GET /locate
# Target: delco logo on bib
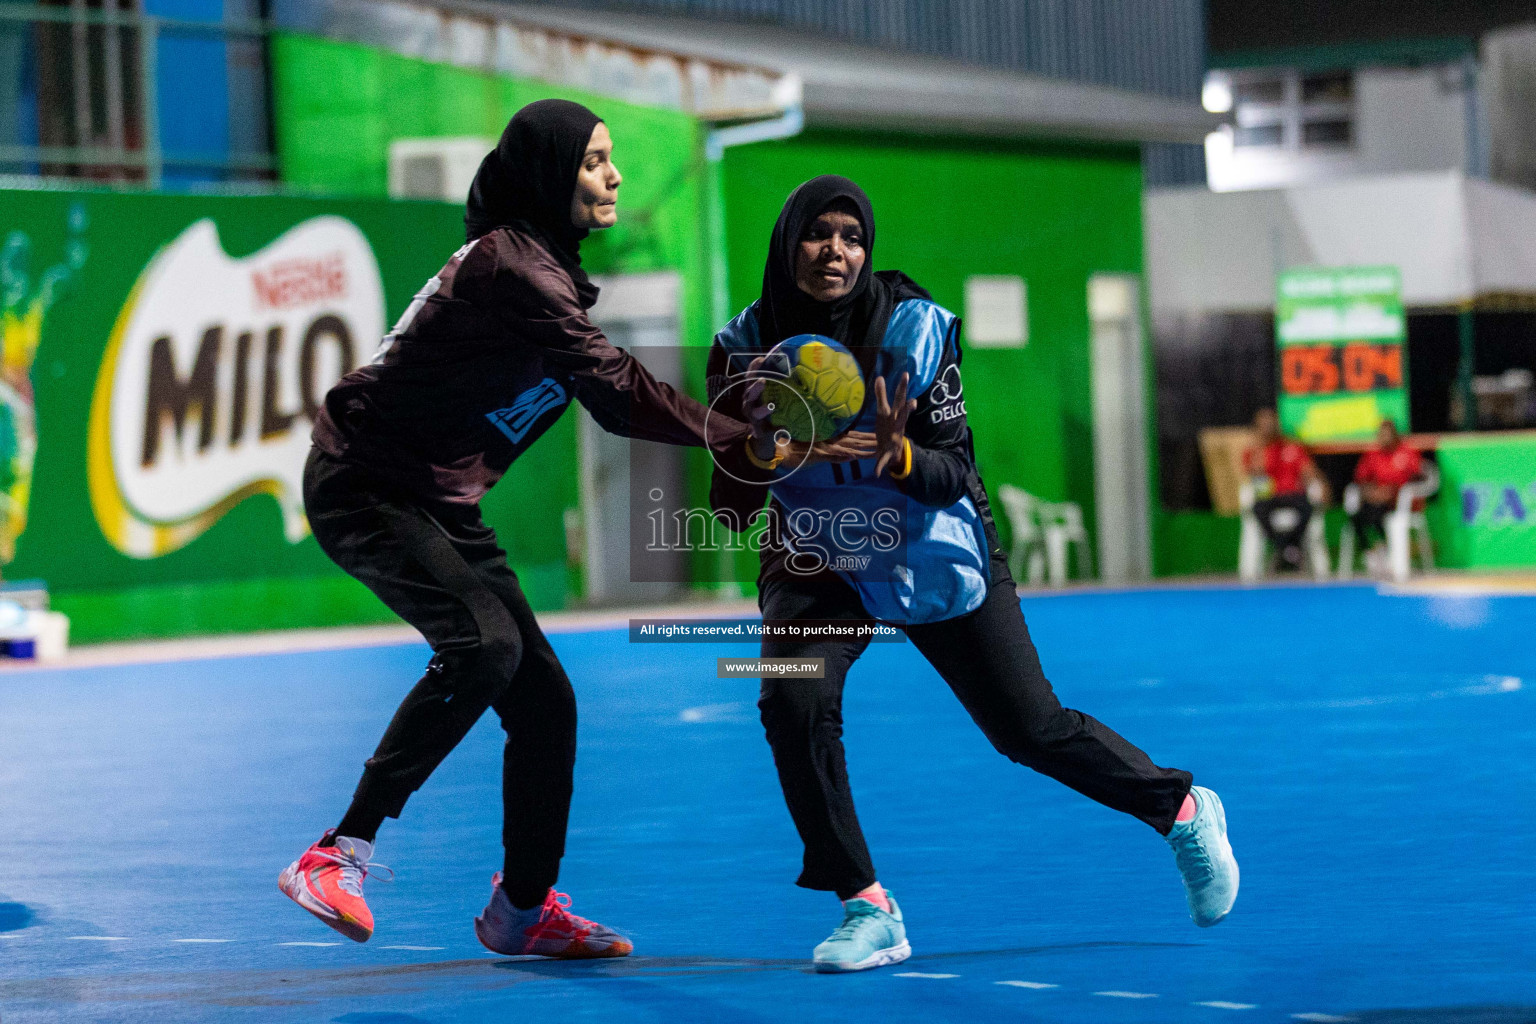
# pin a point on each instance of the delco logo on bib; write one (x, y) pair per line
(213, 375)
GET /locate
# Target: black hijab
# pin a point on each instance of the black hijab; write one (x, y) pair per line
(859, 318)
(531, 176)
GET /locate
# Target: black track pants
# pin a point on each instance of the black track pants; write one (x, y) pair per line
(1371, 521)
(1288, 542)
(989, 661)
(441, 570)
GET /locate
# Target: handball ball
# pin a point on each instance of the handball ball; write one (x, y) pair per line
(818, 390)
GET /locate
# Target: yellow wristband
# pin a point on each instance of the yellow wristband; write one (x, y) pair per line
(906, 461)
(778, 457)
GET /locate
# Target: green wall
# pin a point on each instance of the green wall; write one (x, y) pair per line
(337, 140)
(1195, 543)
(948, 209)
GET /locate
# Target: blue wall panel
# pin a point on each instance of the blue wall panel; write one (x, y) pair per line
(192, 90)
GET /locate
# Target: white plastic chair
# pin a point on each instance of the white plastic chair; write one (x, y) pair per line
(1403, 524)
(1062, 522)
(1252, 549)
(1027, 552)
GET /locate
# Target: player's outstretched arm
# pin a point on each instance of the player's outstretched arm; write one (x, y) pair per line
(527, 290)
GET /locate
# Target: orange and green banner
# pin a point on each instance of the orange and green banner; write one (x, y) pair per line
(1343, 365)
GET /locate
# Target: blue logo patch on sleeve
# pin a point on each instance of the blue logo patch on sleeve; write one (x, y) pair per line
(518, 418)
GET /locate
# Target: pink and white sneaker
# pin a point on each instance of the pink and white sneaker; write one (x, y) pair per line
(327, 881)
(550, 930)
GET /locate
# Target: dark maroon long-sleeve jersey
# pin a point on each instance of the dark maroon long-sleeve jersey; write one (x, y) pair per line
(482, 363)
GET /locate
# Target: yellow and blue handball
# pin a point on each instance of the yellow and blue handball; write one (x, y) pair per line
(815, 387)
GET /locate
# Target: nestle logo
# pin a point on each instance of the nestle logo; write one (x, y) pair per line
(300, 282)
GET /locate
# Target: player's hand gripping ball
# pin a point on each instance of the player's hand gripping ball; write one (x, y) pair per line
(815, 387)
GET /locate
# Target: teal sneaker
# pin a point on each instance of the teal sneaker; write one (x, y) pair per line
(868, 937)
(1205, 859)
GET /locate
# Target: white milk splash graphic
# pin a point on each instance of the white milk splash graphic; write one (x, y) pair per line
(213, 374)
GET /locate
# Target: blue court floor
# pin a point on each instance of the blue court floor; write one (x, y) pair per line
(1374, 753)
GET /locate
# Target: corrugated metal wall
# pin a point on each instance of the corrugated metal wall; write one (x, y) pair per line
(1155, 46)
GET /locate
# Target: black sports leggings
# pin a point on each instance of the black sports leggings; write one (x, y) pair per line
(440, 569)
(1371, 519)
(990, 663)
(1287, 541)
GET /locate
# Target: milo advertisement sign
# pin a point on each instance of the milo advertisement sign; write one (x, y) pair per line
(163, 361)
(213, 373)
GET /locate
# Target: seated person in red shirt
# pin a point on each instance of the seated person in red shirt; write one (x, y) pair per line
(1284, 471)
(1381, 473)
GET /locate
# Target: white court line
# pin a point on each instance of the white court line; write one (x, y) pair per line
(1026, 984)
(1115, 994)
(420, 948)
(238, 645)
(99, 938)
(920, 974)
(309, 943)
(711, 713)
(340, 638)
(1320, 1018)
(1222, 1004)
(203, 940)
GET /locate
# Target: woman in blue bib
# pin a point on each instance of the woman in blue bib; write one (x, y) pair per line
(903, 536)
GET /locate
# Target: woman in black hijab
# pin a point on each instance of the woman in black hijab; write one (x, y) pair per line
(485, 359)
(903, 536)
(858, 315)
(532, 177)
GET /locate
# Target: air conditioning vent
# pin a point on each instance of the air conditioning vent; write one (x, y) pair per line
(435, 168)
